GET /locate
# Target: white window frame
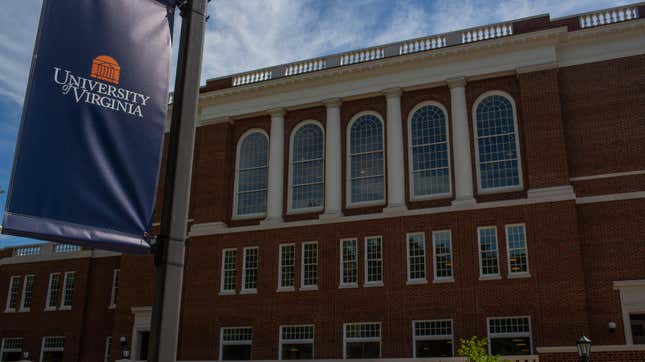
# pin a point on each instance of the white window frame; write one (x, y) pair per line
(407, 253)
(413, 196)
(416, 338)
(280, 258)
(245, 342)
(303, 210)
(302, 267)
(223, 291)
(483, 276)
(48, 300)
(257, 215)
(342, 284)
(523, 274)
(108, 345)
(493, 190)
(243, 289)
(348, 163)
(64, 291)
(23, 308)
(297, 341)
(374, 283)
(451, 278)
(362, 339)
(50, 349)
(8, 309)
(3, 348)
(116, 280)
(509, 335)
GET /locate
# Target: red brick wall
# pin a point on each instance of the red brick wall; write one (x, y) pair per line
(613, 185)
(604, 113)
(556, 304)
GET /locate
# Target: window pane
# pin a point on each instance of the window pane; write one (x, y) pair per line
(374, 260)
(236, 352)
(516, 244)
(366, 159)
(11, 356)
(368, 189)
(287, 265)
(638, 328)
(363, 350)
(488, 251)
(432, 182)
(511, 346)
(430, 156)
(307, 196)
(252, 180)
(308, 143)
(416, 257)
(52, 356)
(428, 125)
(253, 151)
(68, 292)
(28, 291)
(349, 262)
(252, 202)
(442, 253)
(368, 164)
(298, 351)
(310, 264)
(229, 269)
(54, 290)
(250, 268)
(366, 135)
(307, 172)
(442, 348)
(252, 174)
(499, 174)
(14, 290)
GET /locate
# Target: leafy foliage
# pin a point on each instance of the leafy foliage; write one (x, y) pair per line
(475, 349)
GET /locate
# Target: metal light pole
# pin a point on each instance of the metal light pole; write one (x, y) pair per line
(170, 246)
(584, 348)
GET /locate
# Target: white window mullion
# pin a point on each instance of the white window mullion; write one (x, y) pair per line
(517, 251)
(373, 261)
(309, 269)
(443, 259)
(68, 290)
(488, 253)
(250, 270)
(13, 294)
(348, 263)
(53, 291)
(287, 267)
(114, 295)
(416, 258)
(228, 271)
(27, 293)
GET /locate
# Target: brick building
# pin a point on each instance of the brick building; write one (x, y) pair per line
(387, 202)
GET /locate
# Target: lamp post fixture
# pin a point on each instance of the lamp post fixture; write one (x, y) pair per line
(584, 348)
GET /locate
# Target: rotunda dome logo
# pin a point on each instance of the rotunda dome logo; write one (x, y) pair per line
(106, 68)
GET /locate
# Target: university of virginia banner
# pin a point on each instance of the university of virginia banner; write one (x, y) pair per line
(89, 147)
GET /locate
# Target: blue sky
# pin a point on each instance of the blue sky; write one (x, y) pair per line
(248, 34)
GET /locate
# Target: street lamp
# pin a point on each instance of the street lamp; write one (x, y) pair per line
(584, 348)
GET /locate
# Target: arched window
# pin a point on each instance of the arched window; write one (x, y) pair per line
(252, 174)
(365, 160)
(497, 146)
(307, 171)
(429, 156)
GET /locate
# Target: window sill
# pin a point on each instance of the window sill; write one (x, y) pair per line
(50, 309)
(226, 292)
(112, 306)
(285, 289)
(519, 276)
(442, 281)
(445, 195)
(308, 210)
(499, 190)
(24, 310)
(249, 291)
(10, 311)
(490, 277)
(416, 281)
(306, 288)
(249, 217)
(348, 286)
(372, 284)
(358, 205)
(65, 308)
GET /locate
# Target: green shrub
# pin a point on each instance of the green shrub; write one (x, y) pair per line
(475, 349)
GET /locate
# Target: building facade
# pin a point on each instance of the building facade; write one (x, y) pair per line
(387, 202)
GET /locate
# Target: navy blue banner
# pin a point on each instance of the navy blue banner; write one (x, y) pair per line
(90, 141)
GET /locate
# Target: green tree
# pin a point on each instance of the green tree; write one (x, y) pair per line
(475, 349)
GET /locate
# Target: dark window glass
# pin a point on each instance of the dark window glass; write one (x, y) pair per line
(510, 346)
(236, 352)
(11, 356)
(51, 356)
(638, 328)
(298, 351)
(144, 338)
(363, 350)
(434, 348)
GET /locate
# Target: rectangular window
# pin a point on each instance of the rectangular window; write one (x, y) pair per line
(518, 260)
(114, 297)
(433, 338)
(309, 265)
(348, 263)
(108, 345)
(416, 246)
(11, 349)
(442, 246)
(68, 290)
(53, 291)
(488, 257)
(637, 324)
(229, 271)
(287, 262)
(297, 342)
(250, 270)
(509, 336)
(53, 348)
(235, 343)
(13, 294)
(373, 260)
(362, 340)
(27, 292)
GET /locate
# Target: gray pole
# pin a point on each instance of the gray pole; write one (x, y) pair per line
(170, 246)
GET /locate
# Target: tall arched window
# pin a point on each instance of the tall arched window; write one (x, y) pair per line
(497, 146)
(429, 156)
(365, 160)
(307, 167)
(252, 174)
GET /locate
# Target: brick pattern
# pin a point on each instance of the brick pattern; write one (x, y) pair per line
(614, 185)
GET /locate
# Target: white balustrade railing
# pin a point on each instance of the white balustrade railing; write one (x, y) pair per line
(304, 67)
(27, 250)
(251, 77)
(360, 56)
(609, 16)
(419, 45)
(533, 358)
(486, 32)
(66, 248)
